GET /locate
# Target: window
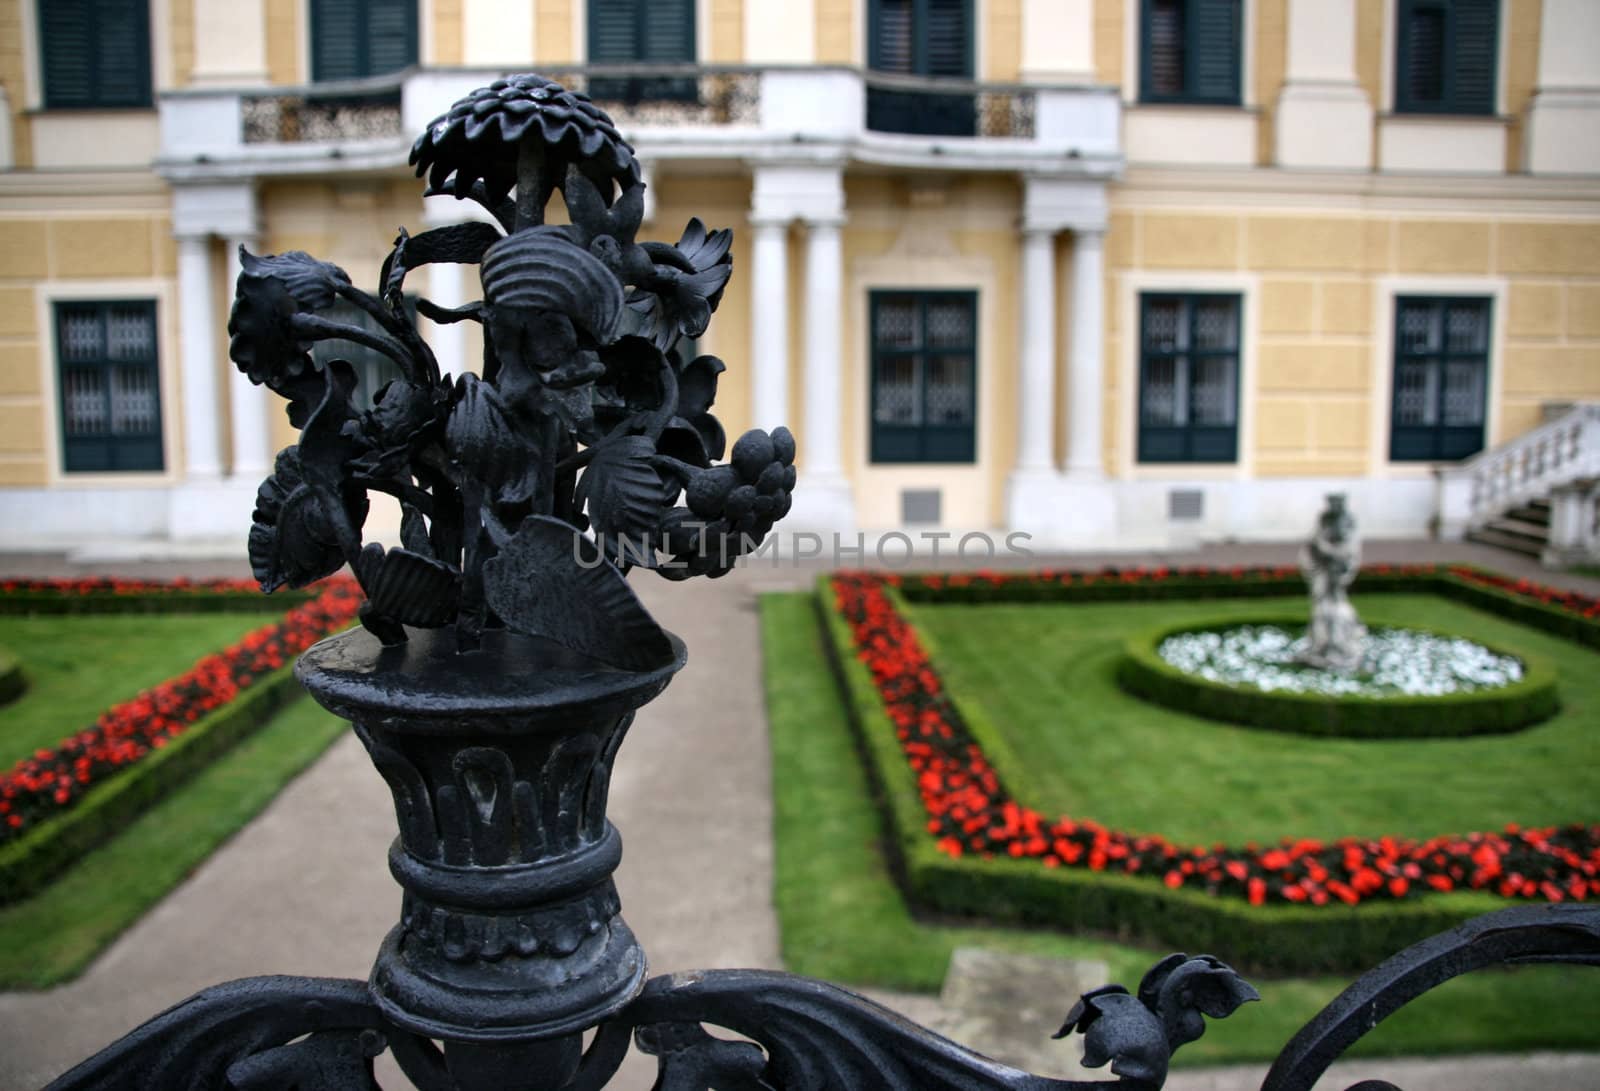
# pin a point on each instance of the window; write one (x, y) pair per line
(353, 39)
(110, 386)
(930, 38)
(642, 32)
(924, 376)
(1190, 52)
(373, 369)
(1448, 51)
(1441, 377)
(1188, 378)
(94, 53)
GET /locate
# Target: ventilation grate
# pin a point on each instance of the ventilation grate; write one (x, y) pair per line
(1186, 505)
(920, 505)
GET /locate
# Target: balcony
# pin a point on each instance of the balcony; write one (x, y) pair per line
(669, 112)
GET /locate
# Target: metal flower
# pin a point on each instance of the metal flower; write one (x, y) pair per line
(472, 150)
(295, 536)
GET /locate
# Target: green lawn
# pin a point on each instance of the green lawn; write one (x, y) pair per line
(53, 936)
(77, 666)
(842, 916)
(1043, 674)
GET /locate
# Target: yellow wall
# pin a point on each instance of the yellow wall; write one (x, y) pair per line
(447, 32)
(552, 31)
(1108, 39)
(727, 31)
(1271, 47)
(283, 41)
(12, 76)
(1522, 71)
(837, 22)
(58, 248)
(1319, 290)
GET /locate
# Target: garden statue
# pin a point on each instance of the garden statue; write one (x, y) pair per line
(1335, 639)
(503, 655)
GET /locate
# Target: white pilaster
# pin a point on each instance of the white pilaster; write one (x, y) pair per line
(1563, 134)
(447, 284)
(769, 321)
(248, 403)
(1089, 509)
(201, 445)
(1086, 367)
(1038, 333)
(1324, 117)
(824, 499)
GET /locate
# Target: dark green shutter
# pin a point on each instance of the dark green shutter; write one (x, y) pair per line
(1476, 56)
(642, 31)
(920, 38)
(1447, 56)
(95, 53)
(1190, 50)
(353, 39)
(1214, 41)
(391, 35)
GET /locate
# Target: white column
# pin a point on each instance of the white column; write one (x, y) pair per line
(1037, 386)
(248, 403)
(823, 386)
(1563, 132)
(823, 500)
(1324, 116)
(769, 322)
(202, 449)
(1086, 364)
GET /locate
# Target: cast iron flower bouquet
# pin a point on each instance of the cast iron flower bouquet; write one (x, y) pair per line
(503, 654)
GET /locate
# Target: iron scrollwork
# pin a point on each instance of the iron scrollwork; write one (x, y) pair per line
(503, 655)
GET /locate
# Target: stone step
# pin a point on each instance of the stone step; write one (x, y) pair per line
(1521, 528)
(1516, 543)
(1536, 512)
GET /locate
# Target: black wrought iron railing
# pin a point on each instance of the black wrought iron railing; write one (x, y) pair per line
(323, 113)
(923, 106)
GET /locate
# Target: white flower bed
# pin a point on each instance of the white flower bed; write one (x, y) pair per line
(1398, 662)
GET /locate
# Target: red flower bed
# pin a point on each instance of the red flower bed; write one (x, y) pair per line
(109, 586)
(54, 780)
(969, 811)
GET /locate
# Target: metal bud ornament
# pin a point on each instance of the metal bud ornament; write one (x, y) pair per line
(578, 435)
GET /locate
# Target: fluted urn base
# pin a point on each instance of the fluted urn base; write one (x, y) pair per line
(499, 760)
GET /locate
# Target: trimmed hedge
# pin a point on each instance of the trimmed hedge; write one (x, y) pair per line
(188, 602)
(1143, 673)
(1276, 938)
(12, 681)
(33, 859)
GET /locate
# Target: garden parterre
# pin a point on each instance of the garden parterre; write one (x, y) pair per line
(54, 780)
(970, 813)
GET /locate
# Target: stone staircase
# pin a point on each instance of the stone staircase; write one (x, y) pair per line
(1524, 529)
(1537, 494)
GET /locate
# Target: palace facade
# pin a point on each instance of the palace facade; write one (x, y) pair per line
(1112, 272)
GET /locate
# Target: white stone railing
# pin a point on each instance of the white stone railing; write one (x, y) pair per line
(1560, 453)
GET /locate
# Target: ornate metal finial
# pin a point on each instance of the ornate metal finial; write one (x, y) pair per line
(1336, 639)
(582, 419)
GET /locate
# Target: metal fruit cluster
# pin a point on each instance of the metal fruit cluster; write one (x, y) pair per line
(561, 464)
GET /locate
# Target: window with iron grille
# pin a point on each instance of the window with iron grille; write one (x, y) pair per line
(1441, 377)
(353, 39)
(924, 348)
(94, 53)
(1188, 377)
(109, 379)
(930, 38)
(642, 32)
(1447, 54)
(1189, 51)
(373, 369)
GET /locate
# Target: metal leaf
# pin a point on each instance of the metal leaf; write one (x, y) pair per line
(550, 581)
(625, 495)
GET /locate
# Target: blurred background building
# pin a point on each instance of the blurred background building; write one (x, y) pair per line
(1114, 272)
